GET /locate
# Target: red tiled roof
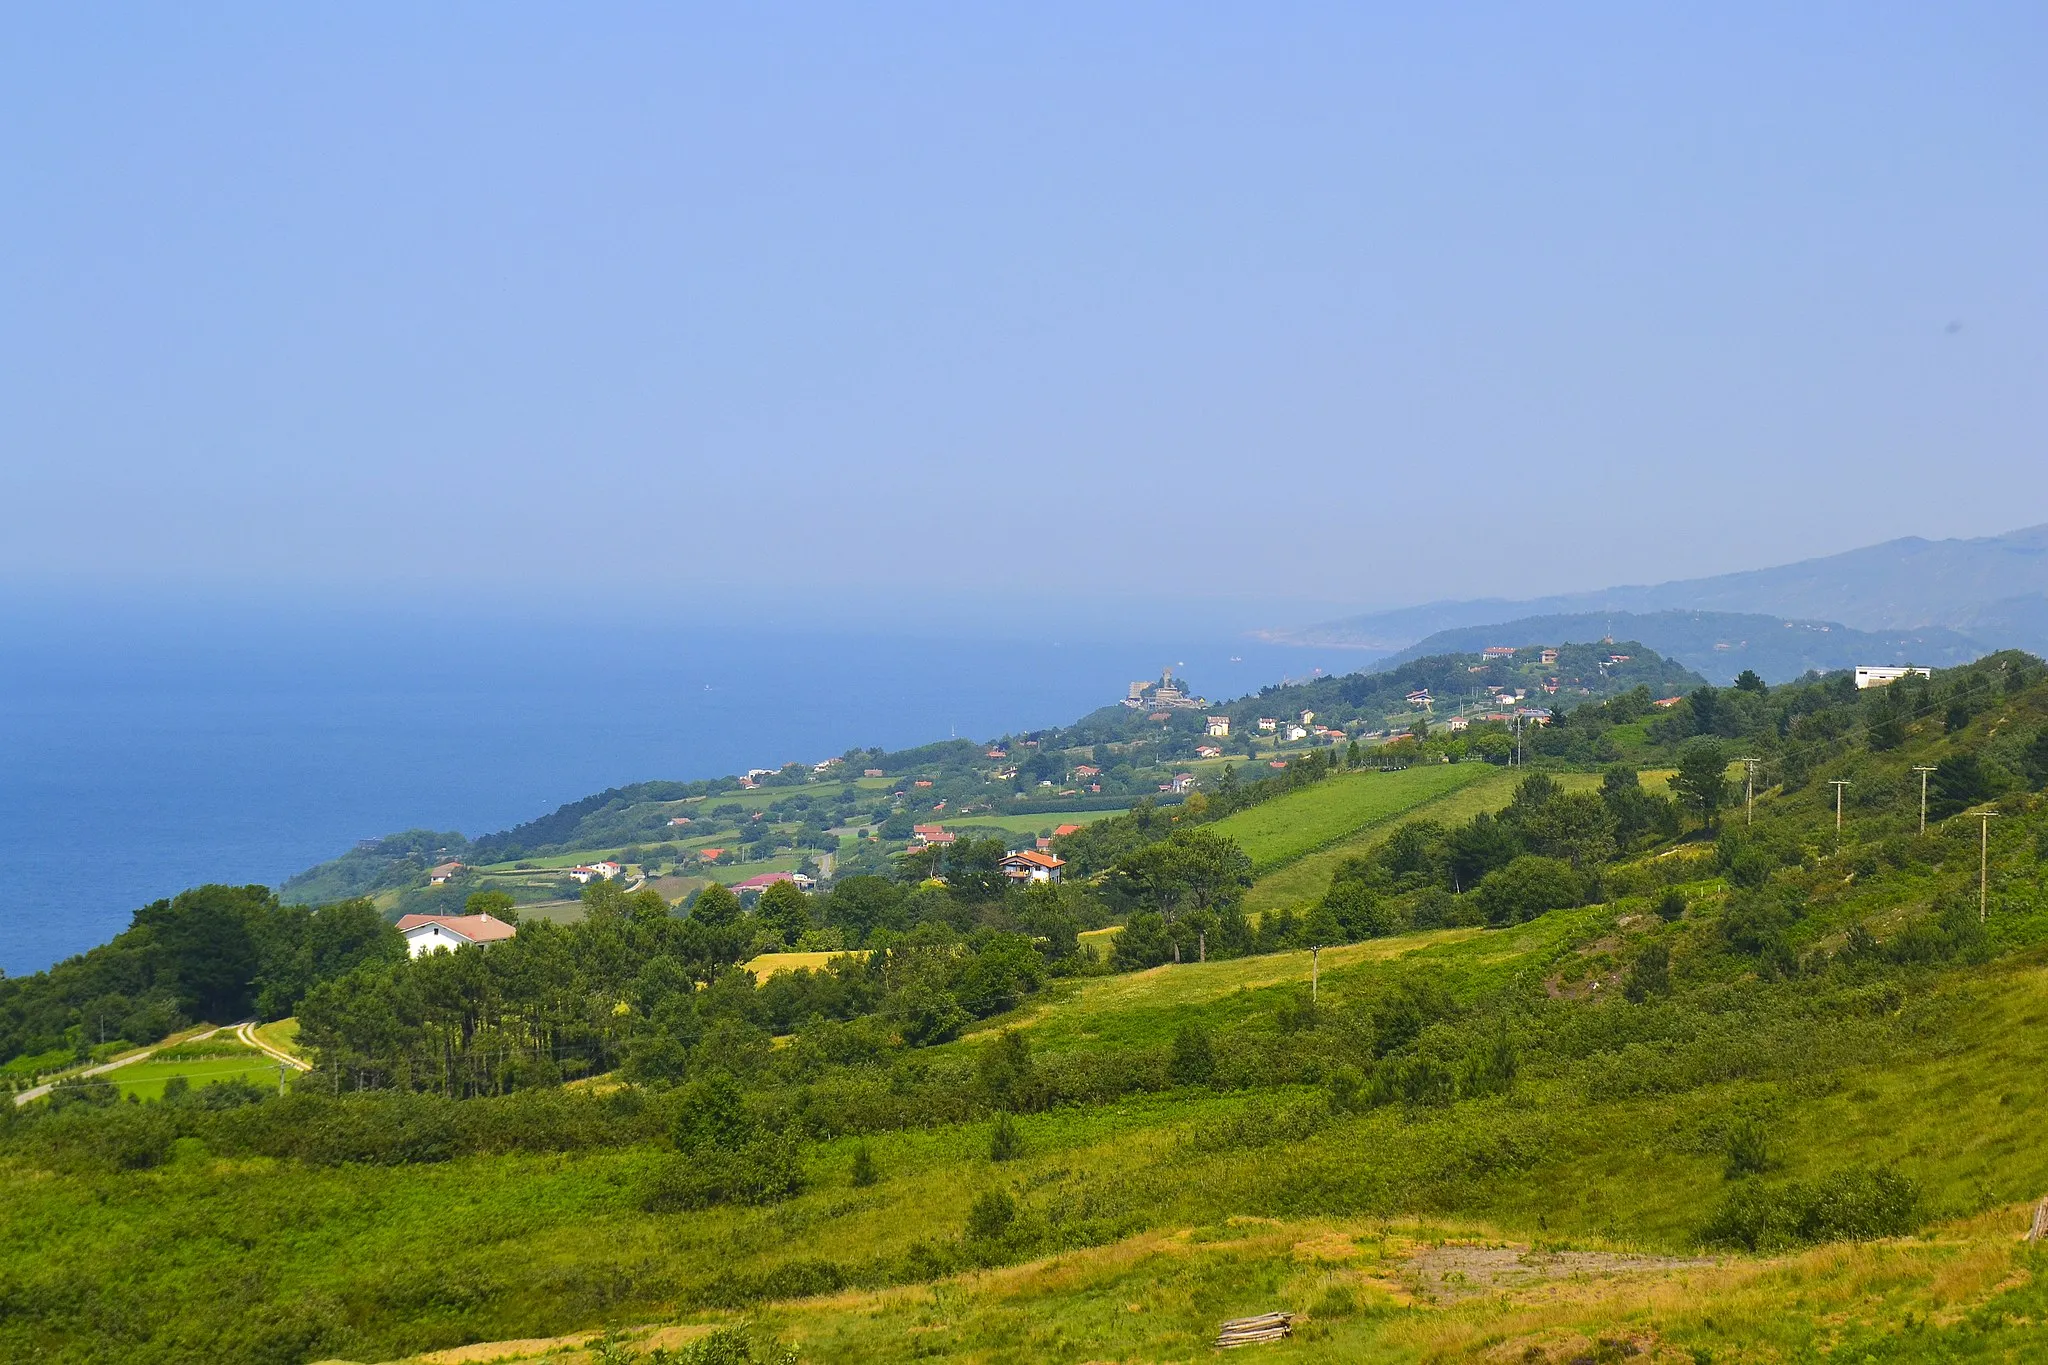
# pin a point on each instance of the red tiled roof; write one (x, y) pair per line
(475, 928)
(1033, 858)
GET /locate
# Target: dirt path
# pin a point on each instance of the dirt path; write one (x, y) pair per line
(246, 1032)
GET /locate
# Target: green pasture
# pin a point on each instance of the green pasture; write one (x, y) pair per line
(1301, 883)
(145, 1080)
(1022, 824)
(1279, 831)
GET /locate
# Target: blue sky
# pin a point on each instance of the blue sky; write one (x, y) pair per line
(1266, 308)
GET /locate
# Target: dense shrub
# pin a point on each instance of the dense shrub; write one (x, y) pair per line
(1529, 886)
(1851, 1205)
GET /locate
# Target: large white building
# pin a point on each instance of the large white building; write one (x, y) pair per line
(1881, 676)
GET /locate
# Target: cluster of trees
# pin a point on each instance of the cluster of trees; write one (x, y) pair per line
(637, 986)
(215, 953)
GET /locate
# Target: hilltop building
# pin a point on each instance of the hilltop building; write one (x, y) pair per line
(1880, 676)
(1164, 695)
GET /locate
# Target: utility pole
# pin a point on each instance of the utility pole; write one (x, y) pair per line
(1315, 973)
(1748, 789)
(1983, 864)
(280, 1078)
(1838, 783)
(1923, 770)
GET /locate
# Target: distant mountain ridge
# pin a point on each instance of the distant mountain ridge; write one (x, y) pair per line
(1717, 645)
(1989, 592)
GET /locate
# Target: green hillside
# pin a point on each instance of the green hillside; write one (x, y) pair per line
(1279, 831)
(1580, 1070)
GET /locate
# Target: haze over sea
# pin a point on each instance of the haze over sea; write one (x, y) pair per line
(149, 751)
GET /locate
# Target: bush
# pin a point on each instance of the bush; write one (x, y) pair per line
(1851, 1205)
(767, 1170)
(1005, 1143)
(1193, 1061)
(864, 1172)
(1527, 887)
(1748, 1150)
(992, 1216)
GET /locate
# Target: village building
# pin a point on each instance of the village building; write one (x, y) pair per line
(1458, 723)
(1880, 676)
(592, 871)
(1061, 831)
(1208, 751)
(1547, 657)
(425, 934)
(1269, 723)
(1219, 727)
(441, 875)
(1029, 865)
(1497, 652)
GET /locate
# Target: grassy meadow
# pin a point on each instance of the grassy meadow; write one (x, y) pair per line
(1275, 833)
(1301, 882)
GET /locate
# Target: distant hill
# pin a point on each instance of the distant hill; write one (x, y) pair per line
(1716, 644)
(1991, 589)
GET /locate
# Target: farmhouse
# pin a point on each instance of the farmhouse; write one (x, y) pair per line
(439, 876)
(425, 934)
(1269, 722)
(1208, 751)
(592, 871)
(1028, 865)
(1548, 657)
(1219, 727)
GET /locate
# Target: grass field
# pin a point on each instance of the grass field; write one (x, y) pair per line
(768, 964)
(1024, 824)
(1279, 831)
(145, 1080)
(1303, 882)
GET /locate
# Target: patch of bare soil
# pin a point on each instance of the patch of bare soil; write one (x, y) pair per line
(1454, 1271)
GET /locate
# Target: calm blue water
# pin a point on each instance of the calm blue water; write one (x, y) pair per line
(144, 752)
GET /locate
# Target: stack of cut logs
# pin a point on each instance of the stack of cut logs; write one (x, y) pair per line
(1251, 1331)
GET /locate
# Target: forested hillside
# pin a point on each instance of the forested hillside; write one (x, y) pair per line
(1623, 1012)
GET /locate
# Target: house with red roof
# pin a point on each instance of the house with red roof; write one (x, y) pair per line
(425, 934)
(1029, 865)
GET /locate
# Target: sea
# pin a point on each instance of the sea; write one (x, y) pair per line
(147, 750)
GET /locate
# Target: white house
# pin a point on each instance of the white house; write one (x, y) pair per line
(440, 875)
(445, 933)
(1028, 865)
(592, 871)
(1219, 727)
(1295, 732)
(1884, 677)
